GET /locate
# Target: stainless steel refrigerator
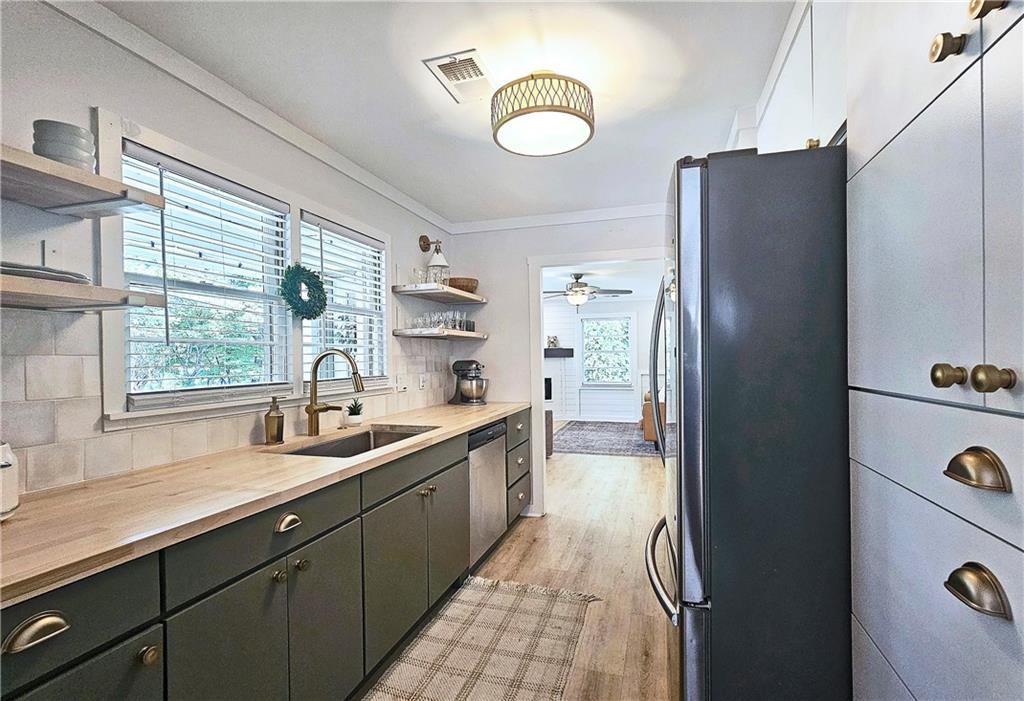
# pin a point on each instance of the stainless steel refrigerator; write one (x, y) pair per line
(751, 560)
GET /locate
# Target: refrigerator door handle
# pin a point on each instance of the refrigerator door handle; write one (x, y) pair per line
(652, 572)
(659, 428)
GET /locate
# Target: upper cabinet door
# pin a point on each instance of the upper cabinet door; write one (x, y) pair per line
(889, 78)
(996, 22)
(786, 123)
(828, 48)
(1003, 69)
(915, 251)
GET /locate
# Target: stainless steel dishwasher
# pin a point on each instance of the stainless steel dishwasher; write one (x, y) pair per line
(487, 496)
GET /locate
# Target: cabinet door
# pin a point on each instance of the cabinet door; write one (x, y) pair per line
(786, 123)
(325, 615)
(232, 644)
(394, 571)
(828, 53)
(889, 79)
(131, 671)
(914, 228)
(449, 528)
(1003, 68)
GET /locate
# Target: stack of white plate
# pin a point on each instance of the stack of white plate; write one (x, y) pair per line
(63, 142)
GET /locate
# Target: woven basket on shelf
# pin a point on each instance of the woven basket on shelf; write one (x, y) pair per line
(466, 284)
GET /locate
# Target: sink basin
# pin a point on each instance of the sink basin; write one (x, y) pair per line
(357, 443)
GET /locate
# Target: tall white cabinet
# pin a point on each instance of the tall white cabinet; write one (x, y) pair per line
(936, 276)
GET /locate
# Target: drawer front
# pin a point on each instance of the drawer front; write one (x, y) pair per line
(131, 671)
(913, 442)
(518, 426)
(96, 610)
(892, 81)
(196, 566)
(904, 548)
(387, 480)
(873, 678)
(519, 495)
(518, 463)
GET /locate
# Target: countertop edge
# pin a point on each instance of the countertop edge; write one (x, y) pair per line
(27, 585)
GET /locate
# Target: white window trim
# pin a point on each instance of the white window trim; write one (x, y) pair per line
(111, 128)
(633, 364)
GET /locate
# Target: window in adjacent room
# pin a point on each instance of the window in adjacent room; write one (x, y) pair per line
(219, 250)
(351, 265)
(607, 351)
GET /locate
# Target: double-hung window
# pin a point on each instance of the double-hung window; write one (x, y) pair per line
(218, 250)
(351, 266)
(607, 351)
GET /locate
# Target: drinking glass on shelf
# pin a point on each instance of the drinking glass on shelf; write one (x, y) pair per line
(419, 276)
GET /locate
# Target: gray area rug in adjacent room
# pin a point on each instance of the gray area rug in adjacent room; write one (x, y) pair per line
(492, 640)
(602, 438)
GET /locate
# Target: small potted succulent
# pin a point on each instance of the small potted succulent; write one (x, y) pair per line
(354, 410)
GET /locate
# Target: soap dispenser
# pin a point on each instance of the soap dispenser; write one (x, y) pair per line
(273, 423)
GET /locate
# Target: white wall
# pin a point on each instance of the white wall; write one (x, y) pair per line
(571, 399)
(500, 260)
(51, 413)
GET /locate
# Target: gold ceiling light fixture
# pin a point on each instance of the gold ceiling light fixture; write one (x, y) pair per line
(542, 114)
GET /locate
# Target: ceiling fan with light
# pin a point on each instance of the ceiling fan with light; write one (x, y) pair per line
(578, 292)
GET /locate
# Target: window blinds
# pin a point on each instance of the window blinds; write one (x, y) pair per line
(219, 251)
(352, 268)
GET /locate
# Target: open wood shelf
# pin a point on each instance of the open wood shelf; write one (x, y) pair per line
(436, 292)
(449, 334)
(17, 292)
(63, 189)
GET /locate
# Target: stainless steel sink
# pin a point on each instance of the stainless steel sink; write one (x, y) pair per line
(357, 443)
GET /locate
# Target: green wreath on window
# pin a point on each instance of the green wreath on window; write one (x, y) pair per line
(303, 291)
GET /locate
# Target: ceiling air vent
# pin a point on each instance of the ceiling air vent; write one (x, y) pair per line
(462, 74)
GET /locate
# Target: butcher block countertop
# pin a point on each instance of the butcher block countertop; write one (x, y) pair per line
(65, 534)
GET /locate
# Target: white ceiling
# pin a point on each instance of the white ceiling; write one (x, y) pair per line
(667, 79)
(641, 276)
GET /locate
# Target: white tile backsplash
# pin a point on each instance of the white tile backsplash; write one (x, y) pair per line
(108, 455)
(52, 409)
(24, 424)
(55, 465)
(54, 376)
(13, 369)
(79, 418)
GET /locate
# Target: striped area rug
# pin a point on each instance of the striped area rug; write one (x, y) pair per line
(493, 640)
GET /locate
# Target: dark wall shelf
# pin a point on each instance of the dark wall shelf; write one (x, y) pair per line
(558, 352)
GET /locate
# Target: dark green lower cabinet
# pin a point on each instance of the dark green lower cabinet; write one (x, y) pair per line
(232, 644)
(448, 525)
(132, 671)
(325, 616)
(394, 570)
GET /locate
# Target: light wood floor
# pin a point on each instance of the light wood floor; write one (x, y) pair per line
(599, 511)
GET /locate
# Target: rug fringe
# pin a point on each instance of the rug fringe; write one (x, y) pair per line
(533, 589)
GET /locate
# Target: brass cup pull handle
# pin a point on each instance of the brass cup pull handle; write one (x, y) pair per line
(302, 565)
(976, 586)
(979, 467)
(945, 45)
(989, 378)
(287, 522)
(280, 576)
(149, 655)
(520, 460)
(946, 375)
(976, 9)
(35, 630)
